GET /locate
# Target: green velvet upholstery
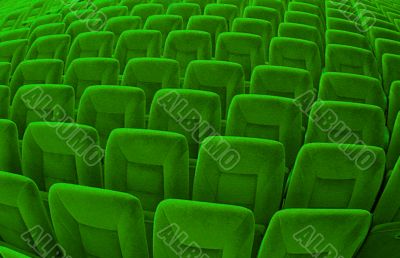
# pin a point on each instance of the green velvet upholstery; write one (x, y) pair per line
(14, 34)
(201, 3)
(212, 230)
(385, 46)
(193, 113)
(137, 43)
(255, 182)
(151, 74)
(153, 167)
(315, 232)
(165, 3)
(13, 51)
(347, 38)
(242, 48)
(297, 53)
(393, 152)
(214, 25)
(394, 104)
(79, 26)
(24, 222)
(164, 23)
(50, 102)
(274, 4)
(50, 47)
(118, 25)
(376, 32)
(45, 19)
(307, 8)
(384, 24)
(131, 3)
(343, 24)
(228, 11)
(92, 222)
(91, 44)
(186, 46)
(5, 72)
(84, 72)
(76, 16)
(320, 4)
(340, 13)
(185, 10)
(147, 9)
(4, 101)
(352, 88)
(46, 30)
(336, 176)
(256, 27)
(390, 66)
(305, 32)
(109, 12)
(263, 13)
(240, 4)
(108, 107)
(39, 71)
(347, 59)
(267, 117)
(224, 78)
(344, 122)
(10, 156)
(9, 253)
(61, 153)
(306, 19)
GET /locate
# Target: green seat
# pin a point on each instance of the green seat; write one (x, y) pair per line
(264, 13)
(46, 30)
(151, 74)
(165, 3)
(61, 153)
(306, 19)
(375, 33)
(340, 13)
(109, 12)
(91, 44)
(9, 253)
(24, 220)
(214, 25)
(98, 4)
(164, 23)
(393, 151)
(320, 4)
(347, 59)
(267, 117)
(5, 72)
(10, 160)
(46, 19)
(50, 47)
(242, 48)
(12, 19)
(108, 107)
(112, 227)
(394, 104)
(305, 32)
(383, 24)
(344, 122)
(312, 232)
(14, 34)
(257, 27)
(118, 25)
(343, 24)
(233, 175)
(341, 37)
(224, 78)
(85, 72)
(240, 4)
(390, 66)
(336, 176)
(81, 26)
(4, 101)
(185, 10)
(39, 71)
(274, 4)
(307, 8)
(49, 102)
(131, 3)
(137, 43)
(285, 52)
(77, 15)
(147, 9)
(153, 168)
(383, 46)
(13, 52)
(228, 11)
(198, 115)
(228, 230)
(186, 46)
(352, 88)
